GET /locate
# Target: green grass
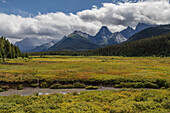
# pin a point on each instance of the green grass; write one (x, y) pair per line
(123, 101)
(92, 69)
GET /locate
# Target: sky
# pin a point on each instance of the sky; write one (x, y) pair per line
(56, 18)
(32, 7)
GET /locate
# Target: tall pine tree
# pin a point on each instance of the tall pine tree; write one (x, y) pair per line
(8, 50)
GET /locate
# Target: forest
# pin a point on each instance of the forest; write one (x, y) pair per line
(8, 50)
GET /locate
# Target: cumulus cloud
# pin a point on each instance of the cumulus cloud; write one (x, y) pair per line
(55, 25)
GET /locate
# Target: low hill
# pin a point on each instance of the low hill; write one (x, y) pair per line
(149, 32)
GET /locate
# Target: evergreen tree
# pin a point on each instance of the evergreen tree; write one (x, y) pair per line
(13, 51)
(26, 55)
(8, 50)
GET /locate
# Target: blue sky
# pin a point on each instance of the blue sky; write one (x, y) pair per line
(27, 7)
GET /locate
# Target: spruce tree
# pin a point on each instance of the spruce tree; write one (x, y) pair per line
(8, 51)
(13, 51)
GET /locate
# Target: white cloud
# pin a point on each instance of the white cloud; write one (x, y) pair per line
(4, 1)
(56, 25)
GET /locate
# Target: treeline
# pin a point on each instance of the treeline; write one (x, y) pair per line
(63, 53)
(154, 46)
(8, 50)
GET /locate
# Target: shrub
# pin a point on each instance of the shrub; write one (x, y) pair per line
(36, 94)
(55, 86)
(162, 87)
(130, 85)
(92, 87)
(33, 85)
(79, 85)
(139, 85)
(63, 87)
(139, 98)
(124, 85)
(44, 85)
(1, 90)
(5, 87)
(69, 86)
(75, 93)
(118, 86)
(162, 83)
(20, 87)
(166, 104)
(59, 86)
(150, 85)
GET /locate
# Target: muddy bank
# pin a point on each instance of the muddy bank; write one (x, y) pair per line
(46, 91)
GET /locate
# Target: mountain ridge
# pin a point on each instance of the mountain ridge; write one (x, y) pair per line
(104, 37)
(129, 31)
(30, 43)
(149, 32)
(74, 42)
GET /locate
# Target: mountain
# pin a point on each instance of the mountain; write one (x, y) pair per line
(149, 32)
(128, 32)
(44, 47)
(116, 38)
(74, 42)
(101, 38)
(153, 46)
(30, 43)
(142, 26)
(105, 37)
(82, 34)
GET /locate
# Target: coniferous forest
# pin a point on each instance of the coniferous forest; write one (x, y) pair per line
(154, 46)
(8, 50)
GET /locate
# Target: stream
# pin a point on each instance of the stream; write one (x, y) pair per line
(47, 91)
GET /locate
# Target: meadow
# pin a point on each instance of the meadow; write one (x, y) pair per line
(121, 72)
(121, 101)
